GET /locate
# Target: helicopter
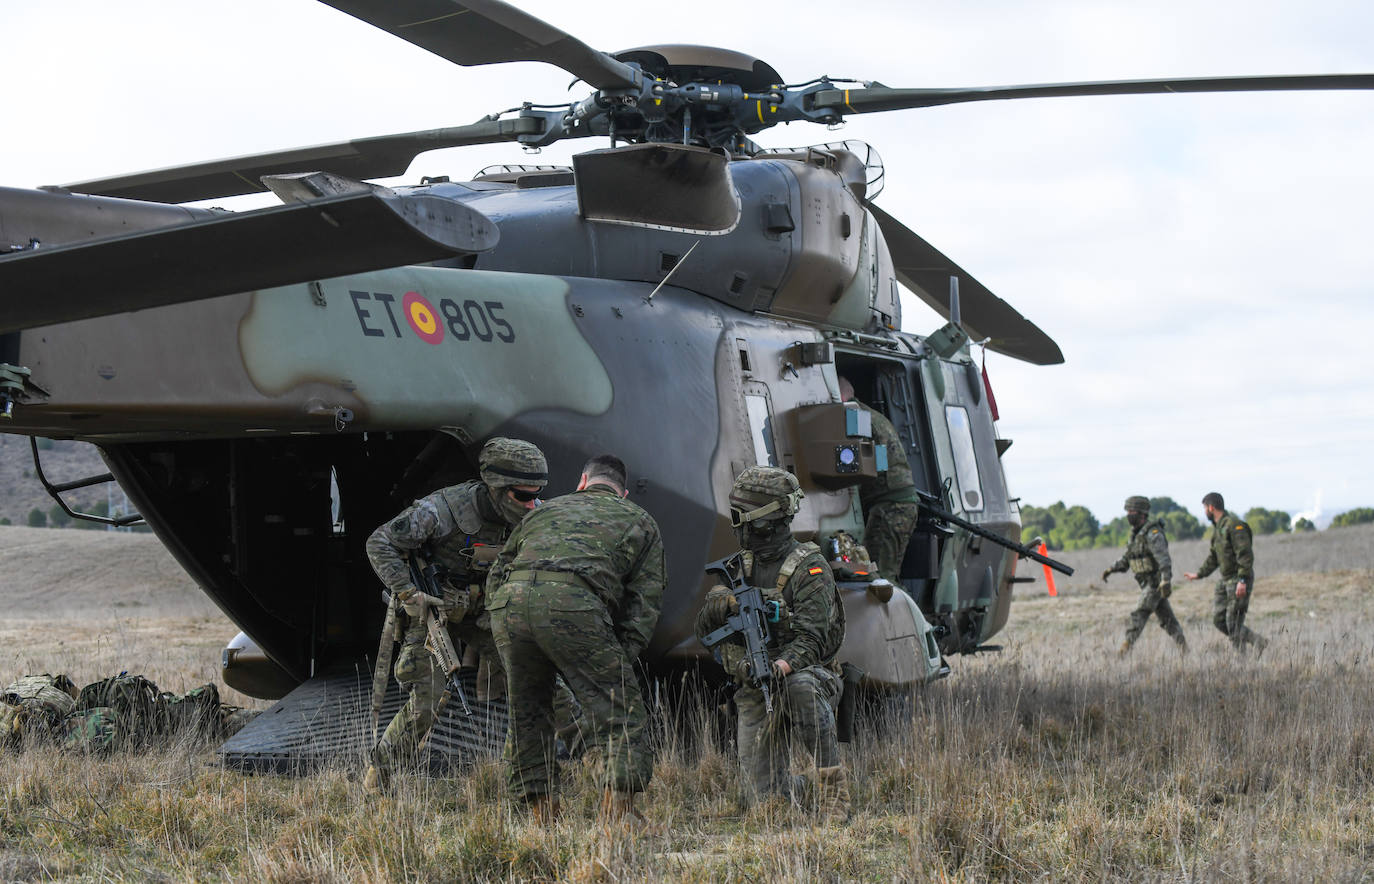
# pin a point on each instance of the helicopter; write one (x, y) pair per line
(682, 297)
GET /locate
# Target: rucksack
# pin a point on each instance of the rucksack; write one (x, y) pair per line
(34, 706)
(123, 710)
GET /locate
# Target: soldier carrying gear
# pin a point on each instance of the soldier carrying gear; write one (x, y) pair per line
(806, 629)
(1147, 557)
(461, 528)
(889, 500)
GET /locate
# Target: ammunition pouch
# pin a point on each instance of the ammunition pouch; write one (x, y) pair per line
(1141, 565)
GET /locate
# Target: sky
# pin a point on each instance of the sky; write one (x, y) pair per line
(1204, 261)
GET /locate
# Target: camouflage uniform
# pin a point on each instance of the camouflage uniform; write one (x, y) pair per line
(576, 591)
(808, 635)
(1147, 557)
(888, 501)
(1233, 552)
(457, 526)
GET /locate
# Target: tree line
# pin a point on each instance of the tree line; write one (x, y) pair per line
(1075, 527)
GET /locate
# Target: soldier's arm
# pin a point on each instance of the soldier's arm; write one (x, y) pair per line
(1210, 564)
(1243, 544)
(500, 567)
(812, 602)
(1118, 566)
(389, 545)
(1159, 547)
(638, 614)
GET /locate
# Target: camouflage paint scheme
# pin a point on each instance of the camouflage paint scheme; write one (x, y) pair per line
(229, 420)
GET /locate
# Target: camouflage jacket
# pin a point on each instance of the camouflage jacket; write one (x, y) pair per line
(455, 522)
(609, 542)
(811, 628)
(1232, 550)
(896, 483)
(1147, 555)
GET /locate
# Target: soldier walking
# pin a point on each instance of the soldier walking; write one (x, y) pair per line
(576, 590)
(1147, 557)
(803, 640)
(1233, 552)
(888, 500)
(461, 527)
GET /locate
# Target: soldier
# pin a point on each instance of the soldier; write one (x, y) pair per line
(803, 643)
(462, 527)
(1147, 557)
(1233, 552)
(576, 590)
(888, 500)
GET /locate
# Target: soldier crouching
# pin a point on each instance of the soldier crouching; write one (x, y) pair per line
(806, 629)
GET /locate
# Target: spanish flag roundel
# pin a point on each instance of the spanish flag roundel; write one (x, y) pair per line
(422, 318)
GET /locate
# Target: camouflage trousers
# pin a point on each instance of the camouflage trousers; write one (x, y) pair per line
(544, 629)
(1151, 602)
(1228, 612)
(417, 673)
(887, 530)
(803, 716)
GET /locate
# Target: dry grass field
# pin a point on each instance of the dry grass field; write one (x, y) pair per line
(1052, 760)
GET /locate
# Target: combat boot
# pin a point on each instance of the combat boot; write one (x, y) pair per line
(377, 779)
(1260, 644)
(832, 793)
(619, 806)
(544, 809)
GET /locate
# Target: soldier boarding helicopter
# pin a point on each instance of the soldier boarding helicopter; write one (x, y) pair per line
(684, 298)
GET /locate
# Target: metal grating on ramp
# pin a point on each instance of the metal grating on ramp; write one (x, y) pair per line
(325, 721)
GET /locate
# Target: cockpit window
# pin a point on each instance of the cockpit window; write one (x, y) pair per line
(761, 426)
(965, 463)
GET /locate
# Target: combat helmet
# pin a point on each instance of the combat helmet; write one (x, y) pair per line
(1138, 504)
(506, 462)
(764, 493)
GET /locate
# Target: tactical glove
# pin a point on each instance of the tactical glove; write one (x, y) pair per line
(1105, 574)
(1165, 589)
(720, 604)
(414, 602)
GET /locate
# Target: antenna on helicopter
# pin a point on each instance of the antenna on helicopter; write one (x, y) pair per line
(680, 261)
(954, 301)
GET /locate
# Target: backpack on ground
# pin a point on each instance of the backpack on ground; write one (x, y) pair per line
(34, 706)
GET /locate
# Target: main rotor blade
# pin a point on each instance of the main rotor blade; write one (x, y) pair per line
(379, 157)
(881, 98)
(234, 252)
(476, 32)
(926, 271)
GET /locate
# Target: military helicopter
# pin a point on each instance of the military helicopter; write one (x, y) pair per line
(682, 297)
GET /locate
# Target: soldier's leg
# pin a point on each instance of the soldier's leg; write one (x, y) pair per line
(1220, 606)
(809, 698)
(762, 745)
(491, 672)
(887, 530)
(573, 631)
(1149, 599)
(1241, 634)
(531, 769)
(416, 672)
(1169, 623)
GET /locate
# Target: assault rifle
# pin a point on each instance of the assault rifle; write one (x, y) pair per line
(931, 504)
(426, 579)
(750, 622)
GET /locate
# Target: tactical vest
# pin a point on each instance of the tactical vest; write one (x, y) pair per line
(1139, 558)
(469, 549)
(781, 592)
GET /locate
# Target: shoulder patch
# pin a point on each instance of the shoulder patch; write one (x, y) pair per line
(815, 570)
(1156, 531)
(1240, 527)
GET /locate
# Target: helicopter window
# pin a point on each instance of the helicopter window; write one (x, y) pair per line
(761, 425)
(965, 463)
